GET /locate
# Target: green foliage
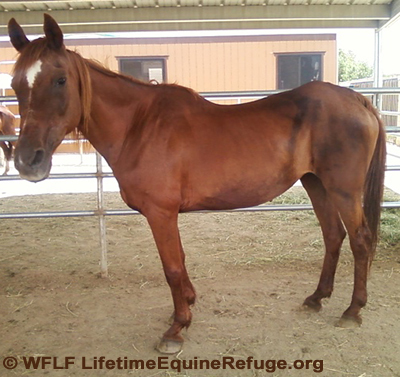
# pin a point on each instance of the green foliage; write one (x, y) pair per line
(352, 69)
(390, 231)
(390, 222)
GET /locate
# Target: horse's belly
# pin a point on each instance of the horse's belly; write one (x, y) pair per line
(235, 195)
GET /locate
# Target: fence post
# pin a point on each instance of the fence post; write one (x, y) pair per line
(101, 216)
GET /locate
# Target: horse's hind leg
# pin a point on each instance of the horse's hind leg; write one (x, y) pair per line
(333, 233)
(352, 214)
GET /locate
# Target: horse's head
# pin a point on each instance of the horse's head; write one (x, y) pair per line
(48, 87)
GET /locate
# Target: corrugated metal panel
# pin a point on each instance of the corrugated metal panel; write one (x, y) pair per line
(57, 6)
(191, 3)
(35, 7)
(107, 4)
(123, 3)
(80, 16)
(256, 2)
(213, 2)
(101, 5)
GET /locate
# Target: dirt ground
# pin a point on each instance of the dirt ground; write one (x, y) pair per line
(251, 271)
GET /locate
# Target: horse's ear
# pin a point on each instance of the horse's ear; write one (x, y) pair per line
(17, 35)
(54, 35)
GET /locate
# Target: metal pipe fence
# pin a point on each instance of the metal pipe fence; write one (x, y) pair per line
(101, 212)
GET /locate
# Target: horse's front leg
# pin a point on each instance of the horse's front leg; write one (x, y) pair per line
(164, 226)
(7, 167)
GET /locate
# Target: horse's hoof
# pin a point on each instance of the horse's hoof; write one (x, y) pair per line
(310, 305)
(348, 322)
(169, 347)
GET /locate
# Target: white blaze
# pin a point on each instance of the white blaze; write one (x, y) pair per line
(32, 73)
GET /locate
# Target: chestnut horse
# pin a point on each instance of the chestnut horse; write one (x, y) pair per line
(173, 151)
(7, 119)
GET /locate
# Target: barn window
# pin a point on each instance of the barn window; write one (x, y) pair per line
(297, 69)
(145, 69)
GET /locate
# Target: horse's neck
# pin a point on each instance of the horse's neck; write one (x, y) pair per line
(114, 104)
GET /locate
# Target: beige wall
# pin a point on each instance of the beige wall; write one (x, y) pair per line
(210, 63)
(204, 64)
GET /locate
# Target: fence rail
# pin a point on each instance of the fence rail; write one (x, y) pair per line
(101, 212)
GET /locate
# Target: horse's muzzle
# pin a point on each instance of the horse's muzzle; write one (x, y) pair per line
(33, 164)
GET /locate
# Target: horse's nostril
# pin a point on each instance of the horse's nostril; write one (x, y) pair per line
(38, 157)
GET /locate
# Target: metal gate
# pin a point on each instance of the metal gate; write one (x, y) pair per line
(101, 212)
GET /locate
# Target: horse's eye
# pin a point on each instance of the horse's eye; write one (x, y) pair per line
(61, 81)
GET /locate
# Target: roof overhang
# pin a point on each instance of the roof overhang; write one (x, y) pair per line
(158, 15)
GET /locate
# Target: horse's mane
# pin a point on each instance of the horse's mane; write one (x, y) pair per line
(99, 67)
(39, 47)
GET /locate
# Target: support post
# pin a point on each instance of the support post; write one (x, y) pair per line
(101, 216)
(378, 76)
